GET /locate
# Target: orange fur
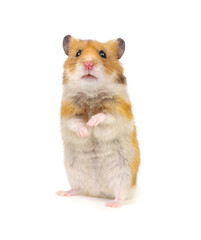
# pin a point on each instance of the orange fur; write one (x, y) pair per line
(67, 109)
(123, 108)
(136, 160)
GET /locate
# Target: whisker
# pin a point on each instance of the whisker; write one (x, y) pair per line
(109, 69)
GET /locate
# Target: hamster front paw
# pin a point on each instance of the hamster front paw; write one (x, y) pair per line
(82, 131)
(96, 119)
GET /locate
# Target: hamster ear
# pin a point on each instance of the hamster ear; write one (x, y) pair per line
(121, 47)
(66, 42)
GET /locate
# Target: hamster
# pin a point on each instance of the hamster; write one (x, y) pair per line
(101, 152)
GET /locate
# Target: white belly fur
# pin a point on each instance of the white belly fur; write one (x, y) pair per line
(98, 165)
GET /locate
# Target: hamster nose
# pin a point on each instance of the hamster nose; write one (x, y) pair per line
(88, 65)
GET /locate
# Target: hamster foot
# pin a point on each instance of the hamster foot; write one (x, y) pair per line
(113, 204)
(69, 193)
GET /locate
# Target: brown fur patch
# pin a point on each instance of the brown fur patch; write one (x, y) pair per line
(83, 106)
(121, 79)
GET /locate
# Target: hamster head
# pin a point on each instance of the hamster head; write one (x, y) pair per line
(92, 63)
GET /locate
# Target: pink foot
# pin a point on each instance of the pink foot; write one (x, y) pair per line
(82, 131)
(113, 204)
(69, 193)
(96, 119)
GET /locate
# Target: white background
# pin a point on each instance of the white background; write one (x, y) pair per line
(163, 67)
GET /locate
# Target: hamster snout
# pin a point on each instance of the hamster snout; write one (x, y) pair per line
(88, 65)
(89, 73)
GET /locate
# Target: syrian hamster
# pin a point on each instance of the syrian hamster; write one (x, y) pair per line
(101, 152)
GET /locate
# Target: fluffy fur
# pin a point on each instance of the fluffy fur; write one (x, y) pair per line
(104, 163)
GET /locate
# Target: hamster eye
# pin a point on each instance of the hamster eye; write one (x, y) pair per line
(78, 53)
(102, 54)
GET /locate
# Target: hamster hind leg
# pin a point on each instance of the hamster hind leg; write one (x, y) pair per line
(119, 182)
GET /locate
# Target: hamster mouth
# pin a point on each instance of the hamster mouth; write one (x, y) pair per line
(89, 77)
